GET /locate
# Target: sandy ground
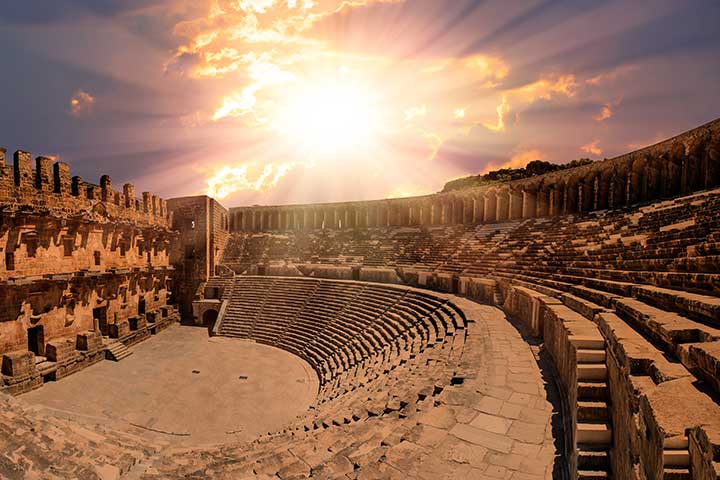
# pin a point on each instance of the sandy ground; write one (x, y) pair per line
(189, 386)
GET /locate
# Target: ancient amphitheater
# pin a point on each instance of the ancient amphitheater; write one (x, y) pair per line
(562, 326)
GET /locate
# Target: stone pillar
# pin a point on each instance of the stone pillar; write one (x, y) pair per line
(529, 205)
(516, 205)
(455, 211)
(61, 178)
(106, 188)
(22, 170)
(129, 193)
(490, 207)
(596, 194)
(147, 202)
(43, 174)
(476, 206)
(541, 203)
(503, 206)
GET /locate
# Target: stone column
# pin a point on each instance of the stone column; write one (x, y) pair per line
(541, 203)
(529, 204)
(516, 205)
(503, 205)
(596, 194)
(490, 207)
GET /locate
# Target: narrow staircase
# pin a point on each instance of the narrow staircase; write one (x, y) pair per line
(116, 351)
(593, 433)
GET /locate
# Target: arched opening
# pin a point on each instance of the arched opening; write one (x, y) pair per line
(209, 317)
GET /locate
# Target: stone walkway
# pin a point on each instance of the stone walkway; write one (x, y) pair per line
(501, 424)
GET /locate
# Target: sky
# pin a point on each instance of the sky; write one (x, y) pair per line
(301, 101)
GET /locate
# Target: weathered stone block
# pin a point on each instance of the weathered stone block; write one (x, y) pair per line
(137, 323)
(17, 364)
(60, 350)
(119, 329)
(88, 341)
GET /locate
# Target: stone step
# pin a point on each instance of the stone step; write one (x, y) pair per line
(592, 475)
(590, 457)
(587, 343)
(592, 411)
(117, 351)
(590, 356)
(676, 458)
(678, 442)
(677, 474)
(591, 371)
(593, 433)
(592, 391)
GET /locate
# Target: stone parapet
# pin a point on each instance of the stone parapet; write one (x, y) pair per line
(44, 183)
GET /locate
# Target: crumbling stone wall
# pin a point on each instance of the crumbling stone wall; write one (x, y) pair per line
(77, 261)
(66, 305)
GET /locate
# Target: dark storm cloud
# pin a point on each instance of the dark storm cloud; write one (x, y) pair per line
(49, 11)
(685, 29)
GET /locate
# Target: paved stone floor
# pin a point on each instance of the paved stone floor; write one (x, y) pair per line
(506, 421)
(188, 385)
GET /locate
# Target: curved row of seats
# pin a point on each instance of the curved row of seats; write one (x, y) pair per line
(335, 325)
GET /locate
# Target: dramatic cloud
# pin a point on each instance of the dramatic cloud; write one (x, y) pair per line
(501, 110)
(605, 113)
(232, 179)
(81, 103)
(592, 148)
(521, 158)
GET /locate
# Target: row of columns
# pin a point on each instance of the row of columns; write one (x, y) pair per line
(599, 189)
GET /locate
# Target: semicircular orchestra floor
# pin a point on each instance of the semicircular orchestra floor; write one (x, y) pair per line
(189, 389)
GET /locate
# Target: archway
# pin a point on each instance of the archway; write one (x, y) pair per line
(209, 317)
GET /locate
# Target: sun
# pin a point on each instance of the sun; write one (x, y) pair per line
(330, 116)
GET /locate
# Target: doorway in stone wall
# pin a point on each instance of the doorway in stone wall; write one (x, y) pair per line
(36, 340)
(141, 306)
(209, 318)
(100, 316)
